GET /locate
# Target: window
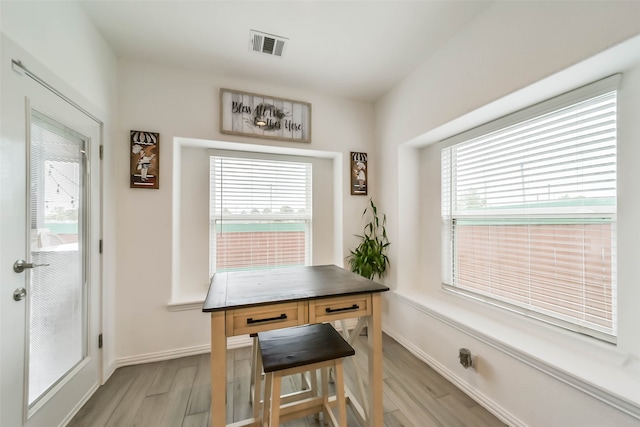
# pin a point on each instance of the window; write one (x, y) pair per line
(529, 211)
(260, 213)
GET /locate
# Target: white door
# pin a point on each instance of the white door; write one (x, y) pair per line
(49, 252)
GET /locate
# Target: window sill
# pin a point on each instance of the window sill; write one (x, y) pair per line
(186, 305)
(601, 371)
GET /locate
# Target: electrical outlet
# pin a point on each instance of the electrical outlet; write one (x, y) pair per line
(465, 357)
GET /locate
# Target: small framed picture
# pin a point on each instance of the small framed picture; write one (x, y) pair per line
(144, 163)
(359, 174)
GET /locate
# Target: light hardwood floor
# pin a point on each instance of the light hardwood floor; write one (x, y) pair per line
(176, 393)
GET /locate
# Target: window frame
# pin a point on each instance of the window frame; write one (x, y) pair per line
(306, 218)
(449, 243)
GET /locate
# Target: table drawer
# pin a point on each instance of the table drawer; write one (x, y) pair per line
(264, 318)
(336, 308)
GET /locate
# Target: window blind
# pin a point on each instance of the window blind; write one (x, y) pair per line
(260, 213)
(529, 215)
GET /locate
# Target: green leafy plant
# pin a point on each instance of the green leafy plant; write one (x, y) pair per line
(369, 258)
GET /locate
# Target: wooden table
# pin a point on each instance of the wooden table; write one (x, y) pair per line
(253, 301)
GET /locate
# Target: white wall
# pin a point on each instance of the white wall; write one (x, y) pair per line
(64, 40)
(515, 54)
(74, 58)
(185, 105)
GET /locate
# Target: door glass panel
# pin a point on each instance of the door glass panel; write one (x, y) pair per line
(57, 295)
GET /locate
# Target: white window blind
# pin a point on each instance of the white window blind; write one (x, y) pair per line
(260, 213)
(529, 213)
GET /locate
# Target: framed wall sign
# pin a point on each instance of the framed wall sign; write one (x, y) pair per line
(261, 116)
(144, 164)
(359, 174)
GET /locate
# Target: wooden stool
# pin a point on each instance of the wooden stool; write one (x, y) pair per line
(308, 385)
(304, 348)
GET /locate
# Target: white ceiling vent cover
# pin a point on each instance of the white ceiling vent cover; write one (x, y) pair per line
(267, 43)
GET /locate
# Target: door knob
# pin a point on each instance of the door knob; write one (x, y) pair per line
(20, 265)
(19, 294)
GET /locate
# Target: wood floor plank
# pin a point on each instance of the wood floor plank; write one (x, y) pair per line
(187, 361)
(243, 353)
(396, 419)
(230, 402)
(124, 414)
(487, 417)
(99, 408)
(164, 377)
(178, 397)
(388, 404)
(414, 412)
(461, 411)
(460, 396)
(242, 409)
(418, 392)
(201, 419)
(230, 365)
(402, 363)
(200, 398)
(151, 411)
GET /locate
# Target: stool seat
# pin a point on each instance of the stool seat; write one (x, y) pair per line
(300, 346)
(295, 350)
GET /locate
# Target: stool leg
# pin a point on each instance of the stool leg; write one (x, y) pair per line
(254, 359)
(276, 385)
(256, 376)
(340, 396)
(313, 376)
(324, 377)
(313, 383)
(266, 405)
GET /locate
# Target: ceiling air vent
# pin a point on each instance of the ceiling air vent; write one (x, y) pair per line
(267, 43)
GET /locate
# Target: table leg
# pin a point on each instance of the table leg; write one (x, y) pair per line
(375, 362)
(218, 369)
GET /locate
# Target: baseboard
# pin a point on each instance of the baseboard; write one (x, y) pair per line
(107, 371)
(232, 343)
(482, 400)
(161, 355)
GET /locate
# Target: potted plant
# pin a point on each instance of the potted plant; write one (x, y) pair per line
(369, 258)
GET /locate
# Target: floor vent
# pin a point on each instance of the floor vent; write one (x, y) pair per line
(267, 43)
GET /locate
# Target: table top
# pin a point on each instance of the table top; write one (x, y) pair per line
(261, 287)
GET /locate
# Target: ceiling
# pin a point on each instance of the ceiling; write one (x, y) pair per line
(351, 49)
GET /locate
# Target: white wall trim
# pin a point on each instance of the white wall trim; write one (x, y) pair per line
(593, 391)
(162, 355)
(185, 306)
(472, 392)
(232, 343)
